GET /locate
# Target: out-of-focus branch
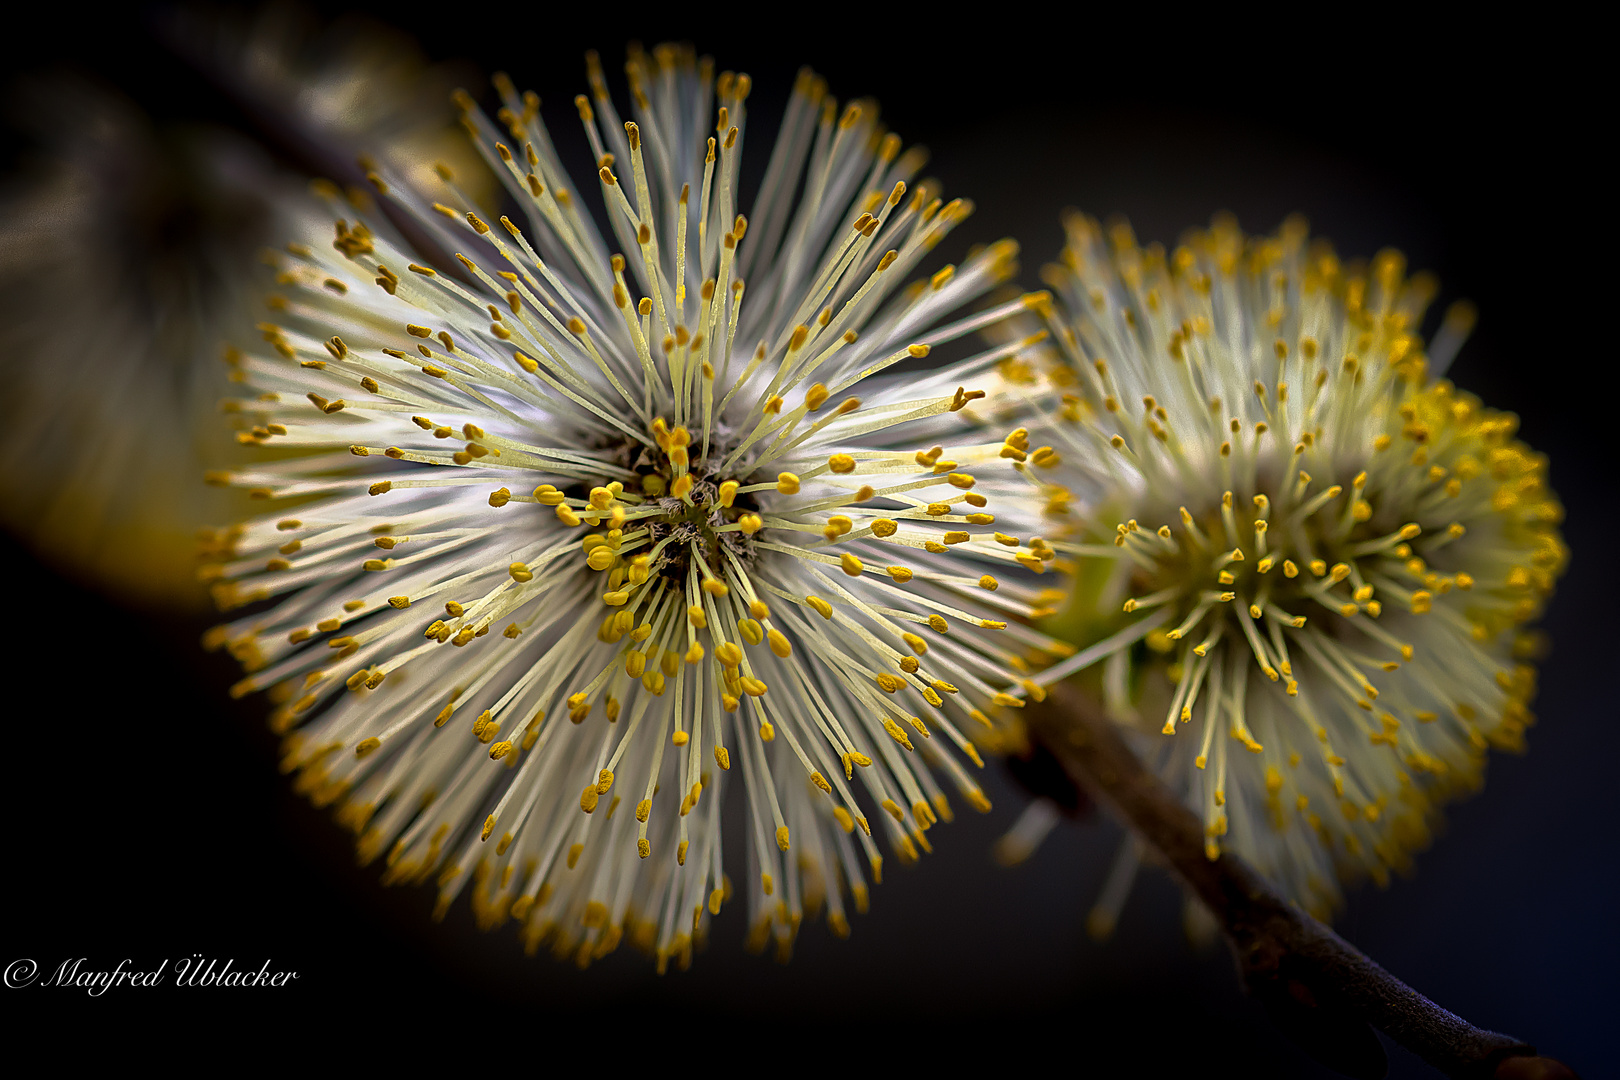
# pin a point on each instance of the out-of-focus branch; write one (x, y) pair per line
(1318, 987)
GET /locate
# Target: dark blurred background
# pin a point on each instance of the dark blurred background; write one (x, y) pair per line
(146, 818)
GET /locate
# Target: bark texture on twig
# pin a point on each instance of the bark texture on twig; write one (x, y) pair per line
(1316, 985)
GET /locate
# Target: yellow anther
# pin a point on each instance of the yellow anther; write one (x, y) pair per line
(897, 733)
(780, 644)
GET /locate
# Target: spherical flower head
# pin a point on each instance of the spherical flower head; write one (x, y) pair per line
(1298, 553)
(571, 526)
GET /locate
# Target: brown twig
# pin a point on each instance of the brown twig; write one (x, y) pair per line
(1316, 985)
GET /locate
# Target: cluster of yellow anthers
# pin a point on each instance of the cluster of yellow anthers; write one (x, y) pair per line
(761, 555)
(1291, 538)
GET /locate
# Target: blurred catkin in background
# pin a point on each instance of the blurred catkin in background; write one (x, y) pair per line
(126, 256)
(129, 259)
